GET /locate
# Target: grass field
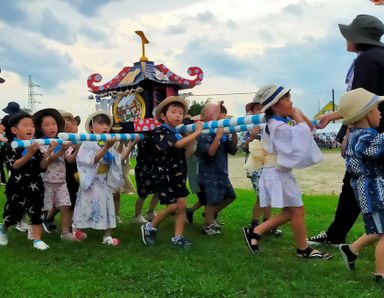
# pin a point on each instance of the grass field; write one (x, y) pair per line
(214, 266)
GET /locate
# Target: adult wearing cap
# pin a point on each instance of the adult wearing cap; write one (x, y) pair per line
(367, 71)
(11, 109)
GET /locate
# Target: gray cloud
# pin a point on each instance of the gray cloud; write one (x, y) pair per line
(175, 30)
(205, 17)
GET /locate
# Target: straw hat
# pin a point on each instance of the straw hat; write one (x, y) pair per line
(270, 94)
(93, 115)
(211, 111)
(66, 114)
(168, 101)
(364, 29)
(38, 118)
(356, 104)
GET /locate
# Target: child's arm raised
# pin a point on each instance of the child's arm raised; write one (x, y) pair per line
(186, 140)
(99, 155)
(212, 149)
(71, 158)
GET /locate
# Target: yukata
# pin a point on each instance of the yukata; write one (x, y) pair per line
(169, 166)
(254, 176)
(288, 147)
(25, 188)
(56, 191)
(213, 170)
(144, 172)
(364, 158)
(94, 206)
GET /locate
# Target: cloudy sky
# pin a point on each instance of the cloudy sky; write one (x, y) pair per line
(240, 45)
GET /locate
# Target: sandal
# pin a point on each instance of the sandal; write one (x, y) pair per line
(310, 253)
(249, 235)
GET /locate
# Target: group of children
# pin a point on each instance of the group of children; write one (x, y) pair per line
(38, 183)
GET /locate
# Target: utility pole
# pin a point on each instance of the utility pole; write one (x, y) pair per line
(31, 95)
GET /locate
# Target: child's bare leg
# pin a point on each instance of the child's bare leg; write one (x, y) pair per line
(107, 233)
(223, 205)
(210, 211)
(139, 205)
(267, 212)
(274, 221)
(116, 201)
(298, 226)
(363, 241)
(256, 212)
(37, 230)
(379, 253)
(180, 216)
(196, 206)
(163, 214)
(153, 203)
(66, 219)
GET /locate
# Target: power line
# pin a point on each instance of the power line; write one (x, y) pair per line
(248, 93)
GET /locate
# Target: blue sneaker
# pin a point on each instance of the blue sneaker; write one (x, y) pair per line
(180, 241)
(148, 234)
(3, 237)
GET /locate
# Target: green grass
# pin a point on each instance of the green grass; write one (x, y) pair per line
(218, 266)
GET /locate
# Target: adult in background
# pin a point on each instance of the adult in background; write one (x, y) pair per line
(367, 71)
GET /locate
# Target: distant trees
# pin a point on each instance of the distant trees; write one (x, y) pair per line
(196, 107)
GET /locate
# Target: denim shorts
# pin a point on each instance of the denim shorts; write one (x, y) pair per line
(216, 191)
(374, 222)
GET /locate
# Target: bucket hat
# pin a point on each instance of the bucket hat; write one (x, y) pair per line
(168, 101)
(270, 94)
(356, 104)
(93, 115)
(364, 29)
(12, 108)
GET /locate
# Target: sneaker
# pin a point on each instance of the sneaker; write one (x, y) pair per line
(22, 226)
(189, 216)
(139, 220)
(211, 230)
(3, 237)
(276, 232)
(67, 236)
(180, 241)
(47, 226)
(110, 241)
(148, 234)
(150, 215)
(30, 234)
(322, 238)
(348, 255)
(217, 225)
(40, 245)
(79, 235)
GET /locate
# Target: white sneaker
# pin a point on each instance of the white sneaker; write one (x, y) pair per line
(3, 238)
(150, 215)
(30, 235)
(40, 245)
(139, 219)
(22, 226)
(110, 241)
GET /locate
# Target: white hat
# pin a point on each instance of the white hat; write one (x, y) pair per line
(93, 115)
(356, 104)
(270, 94)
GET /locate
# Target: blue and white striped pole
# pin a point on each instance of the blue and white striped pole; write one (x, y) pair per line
(98, 137)
(237, 128)
(27, 143)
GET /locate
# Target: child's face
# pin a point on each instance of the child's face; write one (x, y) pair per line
(256, 108)
(100, 128)
(284, 107)
(68, 125)
(374, 117)
(25, 129)
(74, 127)
(49, 127)
(351, 46)
(174, 116)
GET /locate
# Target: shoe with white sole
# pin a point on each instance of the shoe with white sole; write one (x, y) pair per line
(40, 245)
(150, 215)
(30, 234)
(110, 241)
(22, 226)
(139, 220)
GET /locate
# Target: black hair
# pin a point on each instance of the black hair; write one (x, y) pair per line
(361, 47)
(101, 119)
(16, 118)
(223, 109)
(268, 115)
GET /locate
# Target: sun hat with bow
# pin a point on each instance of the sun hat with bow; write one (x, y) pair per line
(364, 29)
(270, 94)
(356, 104)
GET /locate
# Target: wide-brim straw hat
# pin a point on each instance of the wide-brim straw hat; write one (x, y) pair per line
(364, 29)
(356, 104)
(66, 114)
(168, 101)
(93, 115)
(270, 94)
(39, 115)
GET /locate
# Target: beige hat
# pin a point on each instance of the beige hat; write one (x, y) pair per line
(93, 115)
(166, 102)
(249, 105)
(356, 104)
(66, 114)
(270, 94)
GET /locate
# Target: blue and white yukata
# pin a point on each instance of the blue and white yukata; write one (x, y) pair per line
(364, 157)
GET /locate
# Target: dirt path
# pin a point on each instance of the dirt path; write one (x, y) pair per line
(323, 178)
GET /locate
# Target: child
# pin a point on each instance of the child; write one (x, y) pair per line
(254, 108)
(212, 150)
(25, 188)
(364, 153)
(100, 172)
(145, 180)
(170, 168)
(287, 147)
